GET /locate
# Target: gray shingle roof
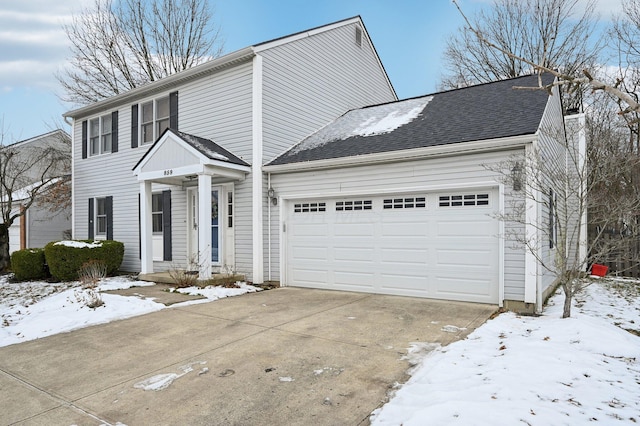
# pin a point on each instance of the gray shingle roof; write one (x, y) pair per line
(481, 112)
(210, 149)
(207, 147)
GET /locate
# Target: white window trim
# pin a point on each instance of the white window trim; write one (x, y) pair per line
(155, 120)
(100, 135)
(97, 234)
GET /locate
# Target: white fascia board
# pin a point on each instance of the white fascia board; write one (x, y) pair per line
(304, 34)
(395, 190)
(501, 144)
(194, 169)
(166, 83)
(227, 166)
(225, 172)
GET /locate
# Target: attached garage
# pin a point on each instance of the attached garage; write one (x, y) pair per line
(441, 245)
(405, 198)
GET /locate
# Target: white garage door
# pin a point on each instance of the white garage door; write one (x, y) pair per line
(435, 245)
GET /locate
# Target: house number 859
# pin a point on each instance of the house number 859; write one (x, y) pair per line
(168, 172)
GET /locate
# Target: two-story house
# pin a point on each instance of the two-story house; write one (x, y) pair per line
(173, 169)
(293, 161)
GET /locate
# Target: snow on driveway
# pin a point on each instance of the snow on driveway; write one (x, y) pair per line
(534, 371)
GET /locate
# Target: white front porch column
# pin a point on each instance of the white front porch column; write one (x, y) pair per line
(146, 229)
(204, 226)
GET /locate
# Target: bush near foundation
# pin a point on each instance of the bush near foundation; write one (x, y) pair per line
(29, 264)
(65, 258)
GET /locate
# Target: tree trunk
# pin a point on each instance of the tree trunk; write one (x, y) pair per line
(5, 259)
(568, 297)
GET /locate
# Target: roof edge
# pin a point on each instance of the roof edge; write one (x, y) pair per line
(213, 65)
(486, 145)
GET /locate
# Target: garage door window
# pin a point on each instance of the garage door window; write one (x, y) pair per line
(464, 200)
(353, 205)
(405, 203)
(309, 207)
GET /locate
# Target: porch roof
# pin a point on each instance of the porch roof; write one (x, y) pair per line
(177, 156)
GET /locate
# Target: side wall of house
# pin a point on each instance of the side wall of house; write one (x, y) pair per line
(44, 226)
(552, 161)
(310, 82)
(443, 172)
(217, 107)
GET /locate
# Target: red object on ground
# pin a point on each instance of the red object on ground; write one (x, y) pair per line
(599, 270)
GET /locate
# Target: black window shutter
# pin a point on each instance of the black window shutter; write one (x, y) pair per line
(166, 225)
(114, 131)
(90, 222)
(173, 110)
(84, 138)
(108, 206)
(134, 126)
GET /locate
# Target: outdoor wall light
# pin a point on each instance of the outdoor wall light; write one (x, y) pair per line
(516, 176)
(272, 196)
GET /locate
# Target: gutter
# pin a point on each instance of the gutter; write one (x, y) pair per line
(165, 83)
(487, 145)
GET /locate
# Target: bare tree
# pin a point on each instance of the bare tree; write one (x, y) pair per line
(552, 33)
(562, 184)
(119, 45)
(571, 82)
(28, 172)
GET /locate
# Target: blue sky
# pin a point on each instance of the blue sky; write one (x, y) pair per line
(409, 36)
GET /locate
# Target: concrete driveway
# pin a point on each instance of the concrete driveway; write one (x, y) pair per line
(286, 356)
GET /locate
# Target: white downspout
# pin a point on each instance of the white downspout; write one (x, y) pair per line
(269, 227)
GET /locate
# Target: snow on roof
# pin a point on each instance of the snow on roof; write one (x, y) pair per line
(376, 120)
(206, 150)
(24, 193)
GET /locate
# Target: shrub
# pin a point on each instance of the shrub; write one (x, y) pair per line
(65, 258)
(92, 272)
(29, 264)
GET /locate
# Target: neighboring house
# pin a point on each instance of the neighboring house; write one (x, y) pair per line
(268, 162)
(39, 224)
(401, 198)
(195, 196)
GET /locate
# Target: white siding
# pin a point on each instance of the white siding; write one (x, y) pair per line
(456, 171)
(217, 107)
(312, 81)
(307, 84)
(551, 148)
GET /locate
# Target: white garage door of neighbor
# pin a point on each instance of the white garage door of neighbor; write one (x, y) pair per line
(437, 245)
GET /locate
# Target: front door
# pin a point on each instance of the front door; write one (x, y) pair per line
(216, 247)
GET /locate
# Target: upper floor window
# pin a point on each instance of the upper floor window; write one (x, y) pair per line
(100, 135)
(154, 119)
(150, 119)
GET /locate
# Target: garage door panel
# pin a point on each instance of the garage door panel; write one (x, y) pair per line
(432, 251)
(354, 254)
(302, 253)
(448, 286)
(464, 229)
(462, 258)
(310, 229)
(413, 229)
(392, 256)
(354, 229)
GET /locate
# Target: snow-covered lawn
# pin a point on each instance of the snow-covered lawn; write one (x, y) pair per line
(31, 310)
(517, 370)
